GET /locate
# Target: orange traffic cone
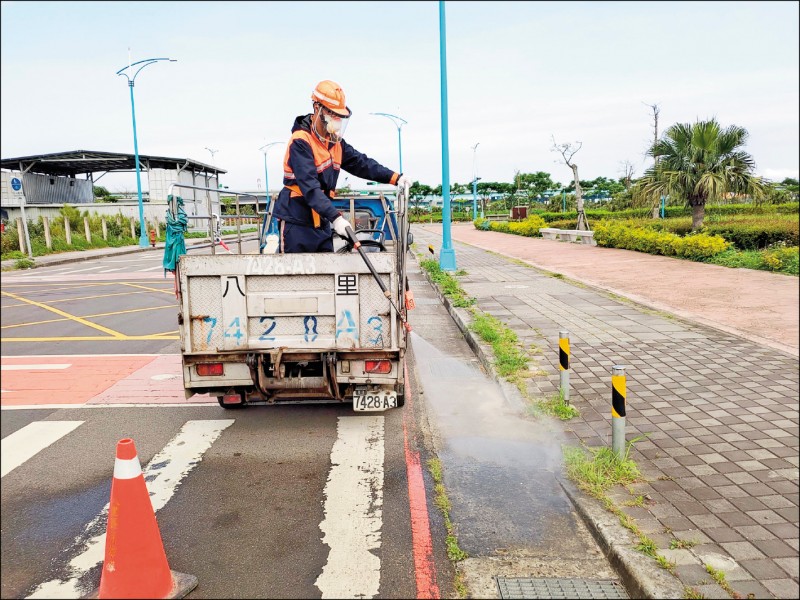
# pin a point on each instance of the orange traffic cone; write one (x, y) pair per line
(135, 564)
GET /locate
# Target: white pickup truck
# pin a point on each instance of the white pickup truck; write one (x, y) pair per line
(285, 328)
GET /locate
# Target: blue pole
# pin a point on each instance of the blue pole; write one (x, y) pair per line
(474, 198)
(447, 256)
(142, 236)
(400, 147)
(563, 201)
(662, 207)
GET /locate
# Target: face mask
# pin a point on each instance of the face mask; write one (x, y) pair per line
(332, 124)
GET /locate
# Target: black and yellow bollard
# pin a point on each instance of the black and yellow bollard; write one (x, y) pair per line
(618, 392)
(563, 364)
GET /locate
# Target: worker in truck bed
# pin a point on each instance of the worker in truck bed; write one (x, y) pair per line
(315, 154)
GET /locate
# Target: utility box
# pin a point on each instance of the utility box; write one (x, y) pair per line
(518, 213)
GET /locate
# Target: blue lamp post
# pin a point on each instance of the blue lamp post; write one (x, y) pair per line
(264, 149)
(399, 122)
(475, 179)
(144, 63)
(447, 255)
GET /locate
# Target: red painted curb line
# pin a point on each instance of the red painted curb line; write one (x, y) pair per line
(424, 567)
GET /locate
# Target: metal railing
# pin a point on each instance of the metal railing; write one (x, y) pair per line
(214, 219)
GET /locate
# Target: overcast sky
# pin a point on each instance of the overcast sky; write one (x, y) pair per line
(518, 73)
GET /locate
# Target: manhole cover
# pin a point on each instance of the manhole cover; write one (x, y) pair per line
(524, 588)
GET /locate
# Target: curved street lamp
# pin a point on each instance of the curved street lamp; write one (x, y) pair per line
(213, 152)
(140, 65)
(264, 149)
(475, 185)
(399, 122)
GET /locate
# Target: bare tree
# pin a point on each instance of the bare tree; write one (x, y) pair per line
(567, 151)
(627, 173)
(656, 111)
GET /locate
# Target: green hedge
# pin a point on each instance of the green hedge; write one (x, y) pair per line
(695, 247)
(790, 208)
(528, 227)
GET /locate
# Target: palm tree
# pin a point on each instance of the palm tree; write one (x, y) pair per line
(698, 163)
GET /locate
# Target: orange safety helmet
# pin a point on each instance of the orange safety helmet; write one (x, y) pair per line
(331, 95)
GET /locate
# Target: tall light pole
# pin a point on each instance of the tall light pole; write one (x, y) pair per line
(474, 184)
(447, 255)
(213, 152)
(144, 63)
(399, 122)
(265, 149)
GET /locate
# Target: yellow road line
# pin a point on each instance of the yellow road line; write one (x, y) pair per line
(67, 315)
(131, 338)
(168, 333)
(170, 291)
(80, 298)
(119, 312)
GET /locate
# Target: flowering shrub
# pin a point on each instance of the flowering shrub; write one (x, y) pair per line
(529, 227)
(624, 235)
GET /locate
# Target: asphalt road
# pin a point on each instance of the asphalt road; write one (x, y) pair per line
(290, 501)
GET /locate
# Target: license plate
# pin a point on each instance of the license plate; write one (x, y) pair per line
(364, 400)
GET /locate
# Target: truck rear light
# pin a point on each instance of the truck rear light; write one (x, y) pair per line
(377, 366)
(210, 369)
(232, 399)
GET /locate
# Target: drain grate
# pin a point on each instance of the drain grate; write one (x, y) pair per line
(524, 588)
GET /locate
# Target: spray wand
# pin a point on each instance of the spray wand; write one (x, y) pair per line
(357, 245)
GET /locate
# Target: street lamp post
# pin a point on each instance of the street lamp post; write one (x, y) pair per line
(447, 255)
(144, 63)
(474, 184)
(399, 124)
(264, 149)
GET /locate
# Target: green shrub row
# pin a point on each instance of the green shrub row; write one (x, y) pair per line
(698, 246)
(790, 208)
(528, 227)
(780, 259)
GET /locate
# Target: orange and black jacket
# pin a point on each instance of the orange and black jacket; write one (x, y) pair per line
(310, 171)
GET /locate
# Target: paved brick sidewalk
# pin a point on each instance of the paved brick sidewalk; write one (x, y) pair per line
(719, 412)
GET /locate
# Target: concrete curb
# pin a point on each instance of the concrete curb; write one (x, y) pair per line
(642, 577)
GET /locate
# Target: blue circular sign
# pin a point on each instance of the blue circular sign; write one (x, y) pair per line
(16, 184)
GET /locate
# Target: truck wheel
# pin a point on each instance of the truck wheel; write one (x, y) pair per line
(231, 406)
(401, 400)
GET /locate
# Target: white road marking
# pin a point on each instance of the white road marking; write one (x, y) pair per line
(37, 367)
(164, 473)
(79, 270)
(354, 510)
(151, 268)
(110, 270)
(27, 442)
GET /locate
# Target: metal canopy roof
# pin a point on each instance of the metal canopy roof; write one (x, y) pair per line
(91, 161)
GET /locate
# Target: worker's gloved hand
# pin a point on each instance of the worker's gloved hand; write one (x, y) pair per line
(340, 226)
(404, 181)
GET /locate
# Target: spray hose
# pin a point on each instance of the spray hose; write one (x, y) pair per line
(357, 245)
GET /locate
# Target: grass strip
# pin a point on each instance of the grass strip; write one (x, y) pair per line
(448, 284)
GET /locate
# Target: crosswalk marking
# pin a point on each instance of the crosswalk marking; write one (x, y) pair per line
(354, 510)
(164, 473)
(37, 367)
(25, 443)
